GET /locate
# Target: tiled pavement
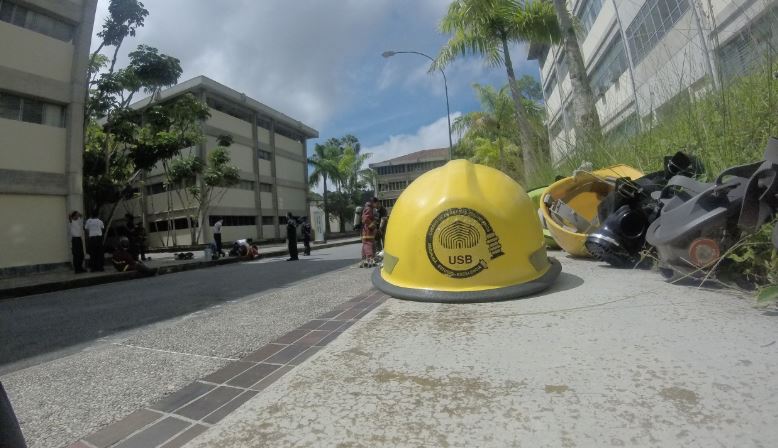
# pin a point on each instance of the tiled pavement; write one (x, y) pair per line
(183, 415)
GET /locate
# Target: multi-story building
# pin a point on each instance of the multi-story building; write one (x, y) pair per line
(641, 55)
(44, 54)
(394, 175)
(269, 149)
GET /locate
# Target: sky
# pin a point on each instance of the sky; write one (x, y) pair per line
(319, 61)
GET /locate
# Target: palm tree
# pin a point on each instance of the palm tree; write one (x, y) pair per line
(324, 162)
(587, 122)
(489, 134)
(486, 28)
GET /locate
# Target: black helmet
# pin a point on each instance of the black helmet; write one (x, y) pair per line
(124, 242)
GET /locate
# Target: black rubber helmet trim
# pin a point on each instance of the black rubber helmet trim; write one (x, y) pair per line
(487, 295)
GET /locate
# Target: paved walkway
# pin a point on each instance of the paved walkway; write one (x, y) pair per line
(65, 278)
(606, 358)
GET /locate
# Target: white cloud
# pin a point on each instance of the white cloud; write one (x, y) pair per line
(433, 135)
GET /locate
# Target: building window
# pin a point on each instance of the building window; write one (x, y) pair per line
(156, 188)
(550, 86)
(388, 202)
(234, 220)
(13, 107)
(282, 220)
(289, 134)
(587, 15)
(245, 185)
(264, 155)
(562, 65)
(652, 22)
(267, 221)
(177, 224)
(609, 68)
(229, 109)
(266, 188)
(32, 20)
(749, 48)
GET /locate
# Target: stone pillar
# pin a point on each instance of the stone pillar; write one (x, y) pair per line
(273, 173)
(255, 167)
(75, 111)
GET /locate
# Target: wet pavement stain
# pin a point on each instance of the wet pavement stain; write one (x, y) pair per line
(552, 389)
(680, 396)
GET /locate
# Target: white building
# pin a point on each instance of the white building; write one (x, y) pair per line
(44, 54)
(269, 149)
(641, 54)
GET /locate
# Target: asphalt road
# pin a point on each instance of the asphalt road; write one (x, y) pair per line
(35, 325)
(75, 361)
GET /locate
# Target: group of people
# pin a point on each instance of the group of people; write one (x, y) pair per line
(372, 222)
(127, 255)
(245, 248)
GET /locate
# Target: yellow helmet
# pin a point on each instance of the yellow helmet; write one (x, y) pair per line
(464, 233)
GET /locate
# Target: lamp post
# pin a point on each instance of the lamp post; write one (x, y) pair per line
(390, 53)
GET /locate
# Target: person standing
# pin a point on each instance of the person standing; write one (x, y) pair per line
(381, 219)
(77, 241)
(368, 236)
(94, 227)
(307, 231)
(217, 235)
(291, 236)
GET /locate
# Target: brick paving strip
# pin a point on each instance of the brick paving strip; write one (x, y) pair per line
(186, 413)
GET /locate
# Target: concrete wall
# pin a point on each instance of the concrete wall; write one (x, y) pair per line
(229, 123)
(36, 231)
(289, 169)
(291, 199)
(32, 147)
(35, 53)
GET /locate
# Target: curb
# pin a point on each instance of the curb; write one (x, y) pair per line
(21, 291)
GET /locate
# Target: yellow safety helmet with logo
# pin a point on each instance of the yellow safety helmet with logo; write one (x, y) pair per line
(464, 233)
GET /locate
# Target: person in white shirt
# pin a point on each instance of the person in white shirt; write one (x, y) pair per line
(217, 236)
(94, 228)
(77, 244)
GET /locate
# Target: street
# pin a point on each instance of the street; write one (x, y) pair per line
(76, 360)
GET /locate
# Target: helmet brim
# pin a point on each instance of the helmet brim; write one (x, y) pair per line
(487, 295)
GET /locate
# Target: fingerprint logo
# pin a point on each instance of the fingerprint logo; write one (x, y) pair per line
(459, 235)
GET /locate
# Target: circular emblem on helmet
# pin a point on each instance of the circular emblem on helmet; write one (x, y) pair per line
(460, 243)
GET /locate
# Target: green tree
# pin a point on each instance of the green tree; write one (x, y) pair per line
(489, 136)
(324, 162)
(586, 119)
(217, 176)
(487, 28)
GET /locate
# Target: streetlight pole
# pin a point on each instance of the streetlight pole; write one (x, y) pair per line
(390, 53)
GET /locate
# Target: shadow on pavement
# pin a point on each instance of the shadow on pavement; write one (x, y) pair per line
(36, 325)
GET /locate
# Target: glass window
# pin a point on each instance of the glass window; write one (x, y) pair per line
(266, 188)
(10, 106)
(588, 14)
(652, 22)
(54, 115)
(267, 221)
(610, 68)
(6, 11)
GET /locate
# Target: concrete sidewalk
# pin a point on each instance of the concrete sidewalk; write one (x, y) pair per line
(605, 358)
(164, 261)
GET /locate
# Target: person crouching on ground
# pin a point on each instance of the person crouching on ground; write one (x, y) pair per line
(368, 236)
(124, 261)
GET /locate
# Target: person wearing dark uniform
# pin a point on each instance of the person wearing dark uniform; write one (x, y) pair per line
(306, 235)
(291, 236)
